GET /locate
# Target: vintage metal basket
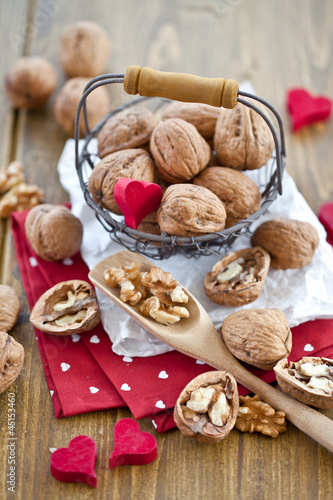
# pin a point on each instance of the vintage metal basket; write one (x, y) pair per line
(188, 88)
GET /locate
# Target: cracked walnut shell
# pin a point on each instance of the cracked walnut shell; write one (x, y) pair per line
(10, 307)
(130, 128)
(238, 278)
(290, 243)
(11, 360)
(66, 308)
(30, 82)
(241, 196)
(242, 138)
(309, 380)
(130, 163)
(178, 149)
(189, 210)
(260, 337)
(53, 232)
(207, 407)
(256, 415)
(84, 49)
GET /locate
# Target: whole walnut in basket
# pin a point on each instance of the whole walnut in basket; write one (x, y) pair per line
(290, 243)
(260, 337)
(67, 101)
(241, 196)
(30, 82)
(202, 116)
(129, 128)
(188, 210)
(130, 163)
(238, 278)
(84, 49)
(242, 138)
(53, 232)
(179, 151)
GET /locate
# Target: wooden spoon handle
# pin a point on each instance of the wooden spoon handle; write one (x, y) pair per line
(181, 87)
(310, 421)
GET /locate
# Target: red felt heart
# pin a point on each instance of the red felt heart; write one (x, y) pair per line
(76, 464)
(132, 446)
(136, 199)
(305, 109)
(325, 215)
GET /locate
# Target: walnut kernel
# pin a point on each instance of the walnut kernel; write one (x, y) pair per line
(20, 197)
(256, 415)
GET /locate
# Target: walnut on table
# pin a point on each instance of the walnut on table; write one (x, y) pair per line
(256, 415)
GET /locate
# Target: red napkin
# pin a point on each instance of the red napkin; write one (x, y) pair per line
(84, 374)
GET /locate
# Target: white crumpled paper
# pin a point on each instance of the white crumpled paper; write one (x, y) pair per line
(302, 294)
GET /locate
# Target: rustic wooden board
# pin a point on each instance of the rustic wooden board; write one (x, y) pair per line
(275, 45)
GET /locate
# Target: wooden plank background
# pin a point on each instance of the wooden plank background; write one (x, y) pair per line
(275, 44)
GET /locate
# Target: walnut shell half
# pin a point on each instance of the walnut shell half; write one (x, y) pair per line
(240, 195)
(11, 360)
(309, 380)
(238, 278)
(179, 151)
(260, 337)
(131, 163)
(290, 243)
(68, 307)
(188, 210)
(53, 232)
(242, 138)
(10, 307)
(207, 407)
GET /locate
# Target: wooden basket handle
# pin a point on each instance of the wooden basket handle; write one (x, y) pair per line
(181, 87)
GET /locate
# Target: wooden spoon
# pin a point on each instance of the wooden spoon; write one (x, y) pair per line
(197, 337)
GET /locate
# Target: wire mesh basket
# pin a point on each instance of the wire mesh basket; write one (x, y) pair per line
(159, 88)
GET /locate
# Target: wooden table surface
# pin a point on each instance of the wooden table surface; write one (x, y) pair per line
(275, 44)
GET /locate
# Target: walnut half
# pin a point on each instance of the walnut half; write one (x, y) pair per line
(11, 360)
(207, 407)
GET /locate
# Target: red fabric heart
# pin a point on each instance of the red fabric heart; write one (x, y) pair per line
(132, 446)
(305, 109)
(325, 216)
(76, 464)
(136, 199)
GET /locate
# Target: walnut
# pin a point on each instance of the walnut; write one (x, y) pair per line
(241, 196)
(238, 278)
(67, 101)
(30, 82)
(207, 407)
(179, 151)
(131, 163)
(161, 313)
(188, 210)
(68, 307)
(202, 116)
(84, 49)
(150, 225)
(255, 415)
(11, 176)
(129, 279)
(53, 232)
(309, 380)
(11, 360)
(260, 337)
(290, 243)
(242, 138)
(10, 307)
(20, 197)
(129, 128)
(164, 287)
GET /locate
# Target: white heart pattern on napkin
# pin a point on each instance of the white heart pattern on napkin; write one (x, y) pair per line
(52, 450)
(163, 374)
(93, 390)
(154, 423)
(75, 337)
(199, 362)
(160, 404)
(68, 262)
(94, 339)
(125, 387)
(65, 367)
(308, 348)
(51, 392)
(33, 261)
(127, 359)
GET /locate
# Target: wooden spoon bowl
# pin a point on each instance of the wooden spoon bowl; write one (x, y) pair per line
(197, 337)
